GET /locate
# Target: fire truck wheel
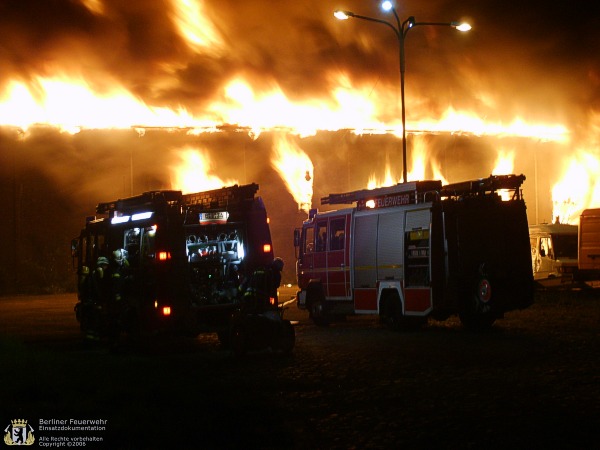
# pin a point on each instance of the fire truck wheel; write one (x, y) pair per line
(318, 313)
(477, 314)
(239, 341)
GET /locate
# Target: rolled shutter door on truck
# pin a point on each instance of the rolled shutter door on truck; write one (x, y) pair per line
(365, 251)
(390, 245)
(417, 267)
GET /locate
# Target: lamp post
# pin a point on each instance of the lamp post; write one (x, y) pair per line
(400, 30)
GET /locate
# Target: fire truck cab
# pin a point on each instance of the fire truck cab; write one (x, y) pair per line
(417, 250)
(187, 257)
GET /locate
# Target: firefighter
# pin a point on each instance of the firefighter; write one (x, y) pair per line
(94, 297)
(276, 269)
(119, 276)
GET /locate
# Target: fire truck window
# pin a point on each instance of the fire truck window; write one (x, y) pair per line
(100, 247)
(309, 240)
(322, 237)
(148, 240)
(546, 247)
(336, 234)
(131, 243)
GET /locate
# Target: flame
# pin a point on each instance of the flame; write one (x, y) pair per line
(388, 180)
(418, 157)
(191, 20)
(72, 104)
(504, 166)
(453, 121)
(193, 172)
(296, 170)
(578, 189)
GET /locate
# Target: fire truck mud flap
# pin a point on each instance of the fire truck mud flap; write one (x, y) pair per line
(315, 303)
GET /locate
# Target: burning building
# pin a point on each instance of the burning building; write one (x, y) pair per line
(106, 98)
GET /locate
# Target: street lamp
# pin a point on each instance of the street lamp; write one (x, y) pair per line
(400, 30)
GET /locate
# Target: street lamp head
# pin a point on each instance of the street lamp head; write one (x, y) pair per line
(461, 26)
(343, 15)
(387, 5)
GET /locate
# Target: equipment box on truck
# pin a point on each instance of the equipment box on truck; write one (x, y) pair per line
(417, 250)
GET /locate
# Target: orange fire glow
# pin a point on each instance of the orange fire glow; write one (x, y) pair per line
(296, 170)
(71, 103)
(578, 189)
(505, 163)
(193, 173)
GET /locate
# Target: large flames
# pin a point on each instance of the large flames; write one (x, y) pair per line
(72, 102)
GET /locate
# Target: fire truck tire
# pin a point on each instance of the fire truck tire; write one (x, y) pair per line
(477, 313)
(239, 341)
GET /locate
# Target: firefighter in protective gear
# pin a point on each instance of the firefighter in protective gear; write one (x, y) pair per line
(276, 269)
(94, 297)
(119, 274)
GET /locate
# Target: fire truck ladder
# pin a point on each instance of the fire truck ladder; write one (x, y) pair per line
(419, 189)
(485, 187)
(154, 200)
(146, 201)
(220, 198)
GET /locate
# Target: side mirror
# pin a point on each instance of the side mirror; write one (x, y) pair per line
(74, 248)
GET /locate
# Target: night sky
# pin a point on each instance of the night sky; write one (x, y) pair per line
(535, 61)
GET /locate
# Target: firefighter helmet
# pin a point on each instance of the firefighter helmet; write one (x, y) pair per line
(278, 264)
(102, 260)
(120, 255)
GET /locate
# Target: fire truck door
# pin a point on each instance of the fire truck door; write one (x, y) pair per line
(338, 275)
(417, 267)
(314, 258)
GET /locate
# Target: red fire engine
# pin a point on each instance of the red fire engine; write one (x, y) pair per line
(186, 257)
(418, 250)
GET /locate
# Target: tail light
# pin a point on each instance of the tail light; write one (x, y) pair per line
(166, 311)
(267, 248)
(163, 255)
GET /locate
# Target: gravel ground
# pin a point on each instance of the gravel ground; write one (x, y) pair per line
(531, 382)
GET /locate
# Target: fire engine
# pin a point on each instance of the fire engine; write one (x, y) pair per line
(417, 250)
(187, 258)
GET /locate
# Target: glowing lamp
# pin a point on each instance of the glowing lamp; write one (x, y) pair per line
(267, 248)
(461, 26)
(166, 311)
(342, 15)
(387, 5)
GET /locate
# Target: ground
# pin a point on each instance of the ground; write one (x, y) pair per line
(532, 381)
